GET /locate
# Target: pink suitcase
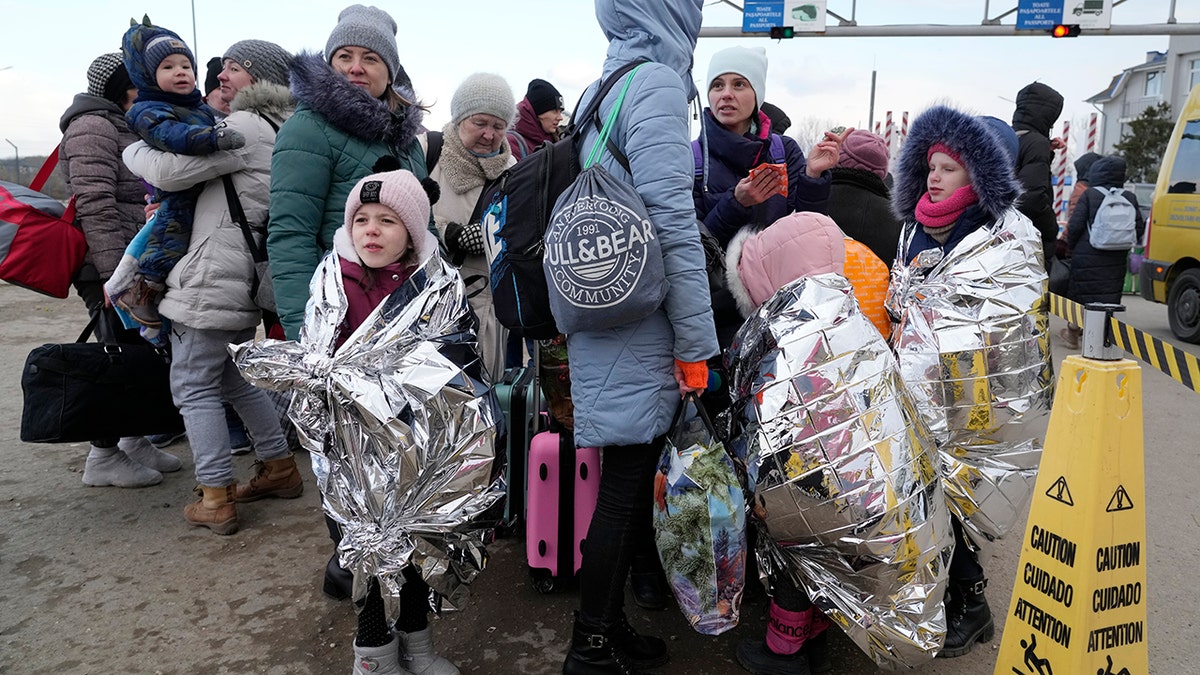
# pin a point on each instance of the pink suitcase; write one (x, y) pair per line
(563, 484)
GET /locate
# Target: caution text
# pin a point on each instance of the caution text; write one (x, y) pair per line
(1054, 545)
(1048, 584)
(1115, 597)
(1111, 637)
(1119, 556)
(1043, 622)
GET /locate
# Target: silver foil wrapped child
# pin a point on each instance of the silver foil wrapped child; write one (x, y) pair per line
(401, 426)
(843, 469)
(973, 348)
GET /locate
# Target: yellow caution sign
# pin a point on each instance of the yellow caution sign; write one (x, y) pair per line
(1079, 602)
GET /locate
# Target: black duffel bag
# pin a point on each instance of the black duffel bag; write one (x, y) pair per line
(83, 390)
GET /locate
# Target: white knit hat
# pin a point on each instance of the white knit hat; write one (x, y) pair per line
(749, 62)
(483, 93)
(403, 193)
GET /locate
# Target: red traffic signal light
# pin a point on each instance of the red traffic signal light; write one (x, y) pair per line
(1065, 30)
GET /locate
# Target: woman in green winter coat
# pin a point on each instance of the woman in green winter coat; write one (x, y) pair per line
(355, 105)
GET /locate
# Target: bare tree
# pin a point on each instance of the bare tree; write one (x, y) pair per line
(809, 130)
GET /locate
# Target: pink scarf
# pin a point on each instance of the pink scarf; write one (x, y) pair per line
(944, 213)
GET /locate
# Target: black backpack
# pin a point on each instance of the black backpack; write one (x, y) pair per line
(514, 210)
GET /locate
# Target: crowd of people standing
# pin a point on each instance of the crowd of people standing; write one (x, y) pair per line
(361, 208)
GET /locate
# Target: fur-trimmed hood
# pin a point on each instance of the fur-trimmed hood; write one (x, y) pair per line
(982, 155)
(760, 262)
(268, 99)
(351, 109)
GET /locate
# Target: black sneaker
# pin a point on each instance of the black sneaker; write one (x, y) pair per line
(239, 441)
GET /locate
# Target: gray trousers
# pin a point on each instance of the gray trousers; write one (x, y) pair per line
(202, 374)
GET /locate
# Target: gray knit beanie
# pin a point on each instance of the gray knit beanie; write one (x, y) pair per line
(265, 61)
(483, 93)
(369, 28)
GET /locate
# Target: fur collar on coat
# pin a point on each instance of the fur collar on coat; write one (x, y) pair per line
(982, 155)
(351, 109)
(268, 99)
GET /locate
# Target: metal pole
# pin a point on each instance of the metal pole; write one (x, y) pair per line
(16, 161)
(195, 42)
(871, 113)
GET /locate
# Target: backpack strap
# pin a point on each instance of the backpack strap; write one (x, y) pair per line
(778, 156)
(606, 129)
(257, 253)
(520, 142)
(43, 174)
(434, 150)
(592, 112)
(698, 156)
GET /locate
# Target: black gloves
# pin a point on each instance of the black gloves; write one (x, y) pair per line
(464, 239)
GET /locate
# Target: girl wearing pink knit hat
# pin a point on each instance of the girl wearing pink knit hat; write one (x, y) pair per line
(391, 401)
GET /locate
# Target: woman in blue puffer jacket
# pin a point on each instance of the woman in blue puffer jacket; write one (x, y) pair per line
(626, 381)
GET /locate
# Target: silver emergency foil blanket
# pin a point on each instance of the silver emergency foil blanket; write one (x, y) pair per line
(974, 351)
(843, 469)
(401, 426)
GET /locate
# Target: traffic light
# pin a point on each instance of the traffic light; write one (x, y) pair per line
(1065, 30)
(787, 32)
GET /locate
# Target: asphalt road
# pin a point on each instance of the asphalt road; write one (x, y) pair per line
(105, 580)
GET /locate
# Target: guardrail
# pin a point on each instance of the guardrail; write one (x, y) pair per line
(1177, 364)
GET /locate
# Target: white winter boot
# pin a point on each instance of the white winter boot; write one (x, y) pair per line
(140, 450)
(111, 466)
(419, 657)
(383, 660)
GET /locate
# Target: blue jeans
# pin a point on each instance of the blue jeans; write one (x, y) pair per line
(202, 374)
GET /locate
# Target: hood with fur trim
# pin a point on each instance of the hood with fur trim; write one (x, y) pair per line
(982, 156)
(351, 109)
(268, 99)
(760, 262)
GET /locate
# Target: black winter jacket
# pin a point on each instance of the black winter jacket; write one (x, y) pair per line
(860, 204)
(1098, 276)
(1038, 108)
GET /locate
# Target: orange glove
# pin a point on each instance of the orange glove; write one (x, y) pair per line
(695, 374)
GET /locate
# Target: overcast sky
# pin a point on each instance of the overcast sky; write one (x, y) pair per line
(49, 44)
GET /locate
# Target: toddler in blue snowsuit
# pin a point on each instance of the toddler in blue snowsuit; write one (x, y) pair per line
(170, 115)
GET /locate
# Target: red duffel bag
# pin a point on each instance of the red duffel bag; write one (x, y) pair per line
(40, 247)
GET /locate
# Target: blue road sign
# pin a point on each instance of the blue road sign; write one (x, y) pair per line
(759, 16)
(1039, 14)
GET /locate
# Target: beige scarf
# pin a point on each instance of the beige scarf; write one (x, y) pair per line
(463, 171)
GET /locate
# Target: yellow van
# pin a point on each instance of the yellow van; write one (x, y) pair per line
(1170, 272)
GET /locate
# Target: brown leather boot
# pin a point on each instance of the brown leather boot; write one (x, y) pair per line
(215, 509)
(273, 478)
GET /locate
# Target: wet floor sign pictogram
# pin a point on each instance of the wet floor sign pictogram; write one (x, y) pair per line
(1079, 602)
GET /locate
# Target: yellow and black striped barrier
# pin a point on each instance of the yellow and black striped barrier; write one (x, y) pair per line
(1177, 364)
